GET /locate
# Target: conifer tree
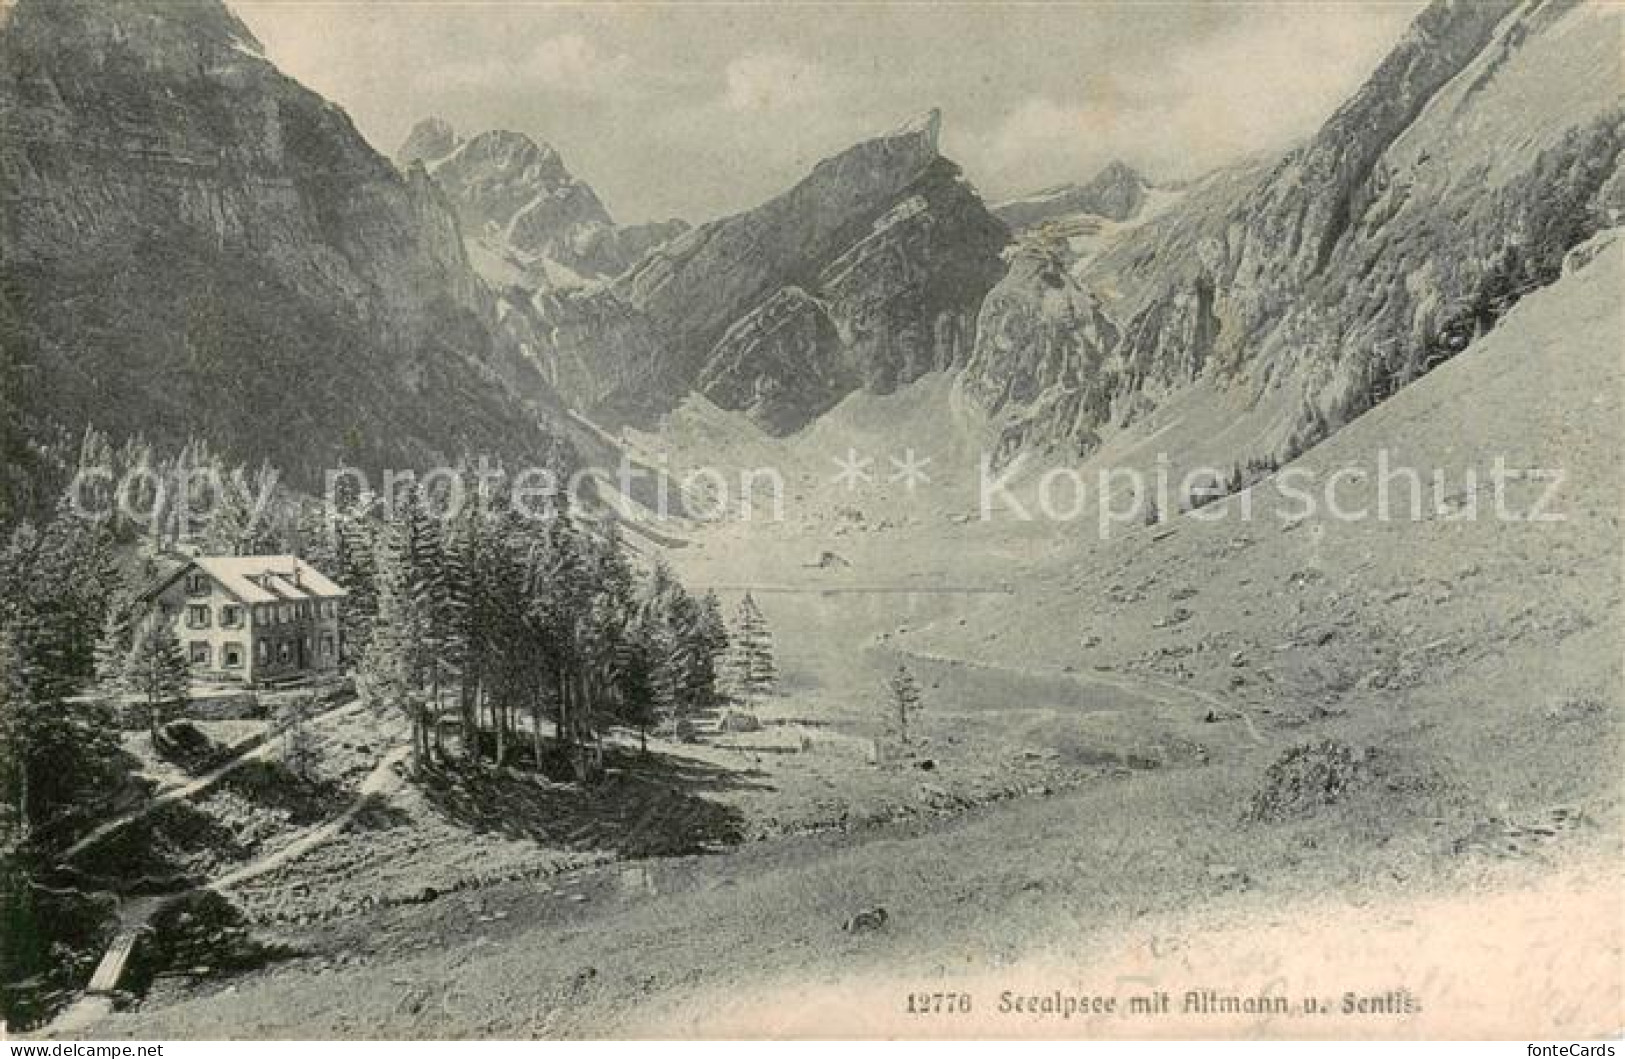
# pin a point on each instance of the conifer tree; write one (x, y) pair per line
(19, 719)
(753, 670)
(903, 702)
(389, 666)
(428, 606)
(55, 584)
(298, 745)
(156, 670)
(237, 524)
(347, 534)
(113, 648)
(699, 639)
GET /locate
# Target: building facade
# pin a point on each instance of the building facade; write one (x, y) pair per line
(253, 619)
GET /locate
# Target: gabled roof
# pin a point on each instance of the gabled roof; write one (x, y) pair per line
(260, 578)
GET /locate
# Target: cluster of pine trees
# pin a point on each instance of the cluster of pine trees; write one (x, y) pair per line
(56, 581)
(502, 627)
(196, 495)
(60, 761)
(508, 628)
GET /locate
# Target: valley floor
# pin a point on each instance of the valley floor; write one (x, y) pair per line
(1119, 890)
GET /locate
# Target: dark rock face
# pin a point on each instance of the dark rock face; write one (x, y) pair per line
(1420, 212)
(1045, 364)
(1116, 193)
(520, 204)
(776, 360)
(868, 273)
(194, 243)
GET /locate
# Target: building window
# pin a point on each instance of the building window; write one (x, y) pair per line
(284, 614)
(231, 616)
(200, 652)
(284, 651)
(307, 647)
(197, 616)
(232, 655)
(197, 585)
(327, 646)
(264, 652)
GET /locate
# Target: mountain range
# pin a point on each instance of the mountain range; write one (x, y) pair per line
(194, 243)
(865, 275)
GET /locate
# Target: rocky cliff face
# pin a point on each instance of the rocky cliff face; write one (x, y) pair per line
(1483, 149)
(1045, 367)
(868, 273)
(529, 221)
(195, 244)
(1116, 193)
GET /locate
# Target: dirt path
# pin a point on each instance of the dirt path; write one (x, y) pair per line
(197, 786)
(135, 915)
(1154, 690)
(381, 780)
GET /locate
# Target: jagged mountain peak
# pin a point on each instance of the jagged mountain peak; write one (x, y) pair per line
(927, 125)
(1119, 178)
(505, 181)
(1117, 192)
(515, 151)
(893, 158)
(866, 274)
(435, 141)
(1118, 171)
(430, 139)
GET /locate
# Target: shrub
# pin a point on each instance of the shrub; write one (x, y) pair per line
(1306, 778)
(186, 745)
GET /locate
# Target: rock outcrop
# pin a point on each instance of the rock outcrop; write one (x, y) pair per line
(1045, 366)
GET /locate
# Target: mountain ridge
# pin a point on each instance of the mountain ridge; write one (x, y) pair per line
(1353, 264)
(866, 273)
(528, 220)
(195, 244)
(1117, 192)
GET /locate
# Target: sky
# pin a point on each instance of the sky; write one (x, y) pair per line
(697, 110)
